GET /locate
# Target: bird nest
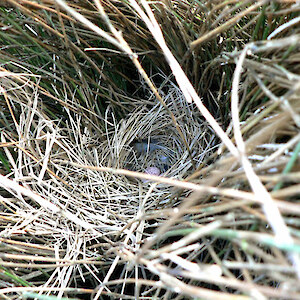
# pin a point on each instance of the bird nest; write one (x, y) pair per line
(104, 201)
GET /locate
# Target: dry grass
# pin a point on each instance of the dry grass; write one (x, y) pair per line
(213, 88)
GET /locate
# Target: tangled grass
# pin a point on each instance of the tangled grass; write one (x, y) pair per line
(212, 87)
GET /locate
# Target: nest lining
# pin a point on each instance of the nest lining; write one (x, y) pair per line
(148, 138)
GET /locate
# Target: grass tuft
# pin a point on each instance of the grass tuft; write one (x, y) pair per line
(97, 95)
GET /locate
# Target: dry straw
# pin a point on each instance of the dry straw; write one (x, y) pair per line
(150, 149)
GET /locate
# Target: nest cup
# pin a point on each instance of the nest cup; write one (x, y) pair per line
(148, 139)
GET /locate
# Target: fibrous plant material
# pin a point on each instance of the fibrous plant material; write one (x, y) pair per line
(150, 149)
